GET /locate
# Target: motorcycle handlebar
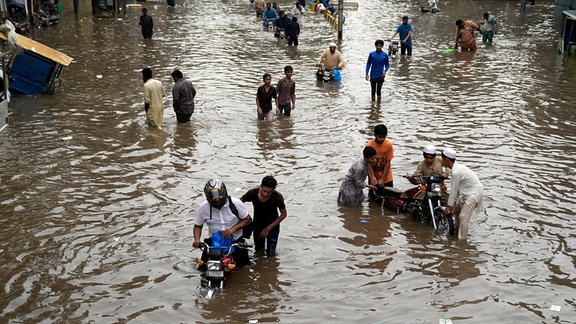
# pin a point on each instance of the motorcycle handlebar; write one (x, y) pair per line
(203, 246)
(416, 175)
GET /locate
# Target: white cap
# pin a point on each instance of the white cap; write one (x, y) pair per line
(429, 149)
(449, 153)
(332, 44)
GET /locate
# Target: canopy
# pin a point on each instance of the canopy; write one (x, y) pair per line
(41, 49)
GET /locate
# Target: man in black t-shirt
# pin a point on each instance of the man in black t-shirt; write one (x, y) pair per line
(266, 224)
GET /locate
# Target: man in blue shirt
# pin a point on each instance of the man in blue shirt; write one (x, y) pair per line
(376, 68)
(405, 31)
(269, 14)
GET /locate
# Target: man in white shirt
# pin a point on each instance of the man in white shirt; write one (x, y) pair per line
(222, 213)
(466, 193)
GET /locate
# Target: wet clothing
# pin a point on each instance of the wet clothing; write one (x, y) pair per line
(488, 29)
(153, 94)
(222, 219)
(431, 170)
(183, 94)
(377, 64)
(259, 6)
(428, 170)
(286, 90)
(403, 32)
(282, 22)
(382, 169)
(292, 33)
(467, 193)
(265, 213)
(354, 182)
(269, 14)
(331, 60)
(265, 101)
(465, 36)
(147, 24)
(298, 12)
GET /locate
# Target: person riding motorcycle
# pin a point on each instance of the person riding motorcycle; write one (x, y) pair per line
(331, 58)
(222, 213)
(269, 13)
(430, 166)
(280, 23)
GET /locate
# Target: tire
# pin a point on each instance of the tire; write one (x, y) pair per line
(445, 222)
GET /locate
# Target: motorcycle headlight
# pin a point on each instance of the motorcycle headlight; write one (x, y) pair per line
(214, 265)
(436, 188)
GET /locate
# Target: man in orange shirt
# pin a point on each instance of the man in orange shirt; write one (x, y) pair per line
(380, 173)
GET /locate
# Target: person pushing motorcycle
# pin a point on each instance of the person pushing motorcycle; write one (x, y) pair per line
(222, 213)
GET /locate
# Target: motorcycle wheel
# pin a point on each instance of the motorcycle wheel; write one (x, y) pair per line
(444, 221)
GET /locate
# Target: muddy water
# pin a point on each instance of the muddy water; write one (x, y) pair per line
(97, 208)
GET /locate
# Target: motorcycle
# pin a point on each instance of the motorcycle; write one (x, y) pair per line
(326, 74)
(268, 24)
(393, 49)
(44, 19)
(18, 17)
(423, 202)
(220, 262)
(21, 25)
(280, 33)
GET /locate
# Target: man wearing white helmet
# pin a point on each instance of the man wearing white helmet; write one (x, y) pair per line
(331, 58)
(466, 193)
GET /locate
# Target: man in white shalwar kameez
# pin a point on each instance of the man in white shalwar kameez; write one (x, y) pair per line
(466, 193)
(153, 99)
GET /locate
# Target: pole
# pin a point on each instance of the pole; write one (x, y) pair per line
(340, 18)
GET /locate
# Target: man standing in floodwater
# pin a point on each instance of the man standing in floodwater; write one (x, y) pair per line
(376, 68)
(286, 90)
(147, 24)
(153, 94)
(405, 31)
(489, 28)
(183, 94)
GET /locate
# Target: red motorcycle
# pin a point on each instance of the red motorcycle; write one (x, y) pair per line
(423, 202)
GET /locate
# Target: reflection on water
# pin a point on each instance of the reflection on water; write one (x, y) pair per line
(97, 208)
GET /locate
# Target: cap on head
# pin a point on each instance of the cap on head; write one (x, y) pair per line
(449, 153)
(429, 149)
(332, 44)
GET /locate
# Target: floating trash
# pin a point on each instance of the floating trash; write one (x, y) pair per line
(66, 138)
(555, 308)
(444, 321)
(449, 51)
(364, 221)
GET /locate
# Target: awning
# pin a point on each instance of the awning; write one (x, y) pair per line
(40, 49)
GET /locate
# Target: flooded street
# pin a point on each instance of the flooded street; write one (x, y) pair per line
(97, 208)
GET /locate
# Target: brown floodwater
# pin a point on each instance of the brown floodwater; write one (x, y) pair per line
(97, 208)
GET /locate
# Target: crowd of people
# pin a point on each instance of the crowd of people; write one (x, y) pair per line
(229, 216)
(466, 191)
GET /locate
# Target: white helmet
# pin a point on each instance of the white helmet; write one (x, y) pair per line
(429, 149)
